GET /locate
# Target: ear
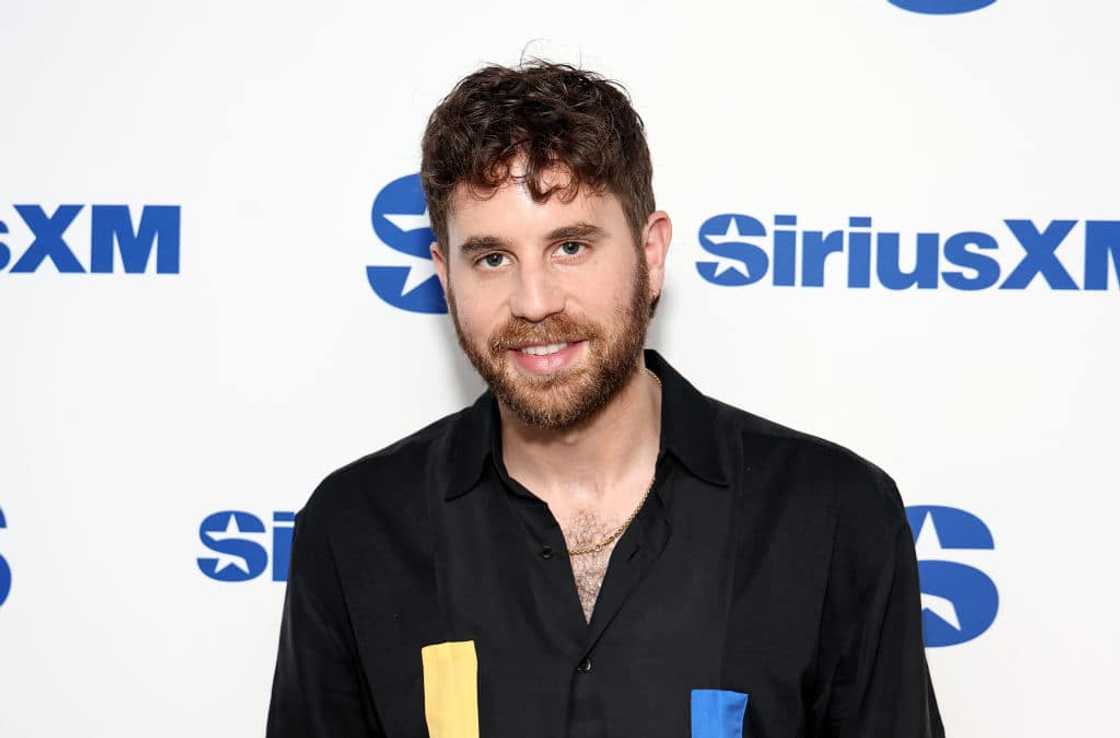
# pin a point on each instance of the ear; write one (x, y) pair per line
(440, 263)
(657, 234)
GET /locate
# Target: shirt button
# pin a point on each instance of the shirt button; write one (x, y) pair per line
(585, 665)
(546, 552)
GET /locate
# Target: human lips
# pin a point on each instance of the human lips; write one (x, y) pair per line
(544, 349)
(544, 358)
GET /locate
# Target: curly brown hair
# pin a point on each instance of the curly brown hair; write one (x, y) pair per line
(549, 113)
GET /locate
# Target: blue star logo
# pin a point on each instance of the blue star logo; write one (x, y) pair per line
(941, 7)
(959, 601)
(406, 277)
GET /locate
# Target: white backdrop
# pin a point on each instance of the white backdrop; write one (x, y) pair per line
(136, 406)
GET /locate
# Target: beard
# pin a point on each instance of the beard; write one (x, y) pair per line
(565, 398)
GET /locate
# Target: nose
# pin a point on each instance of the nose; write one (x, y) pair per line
(536, 293)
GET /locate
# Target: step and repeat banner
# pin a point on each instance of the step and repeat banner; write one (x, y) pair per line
(896, 225)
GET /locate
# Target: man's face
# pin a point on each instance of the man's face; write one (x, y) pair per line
(550, 301)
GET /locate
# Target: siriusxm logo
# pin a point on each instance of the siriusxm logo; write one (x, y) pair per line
(235, 538)
(5, 570)
(941, 7)
(746, 252)
(959, 602)
(111, 230)
(400, 221)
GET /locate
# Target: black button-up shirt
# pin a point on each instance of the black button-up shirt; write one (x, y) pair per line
(766, 563)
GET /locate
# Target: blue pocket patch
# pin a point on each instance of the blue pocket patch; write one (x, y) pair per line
(718, 713)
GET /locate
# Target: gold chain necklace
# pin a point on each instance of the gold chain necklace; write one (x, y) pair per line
(599, 546)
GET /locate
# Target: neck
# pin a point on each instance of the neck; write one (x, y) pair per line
(615, 449)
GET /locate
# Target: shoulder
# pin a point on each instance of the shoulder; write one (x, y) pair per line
(389, 478)
(813, 471)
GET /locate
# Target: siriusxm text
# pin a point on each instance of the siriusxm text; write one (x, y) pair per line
(237, 542)
(748, 251)
(111, 231)
(5, 570)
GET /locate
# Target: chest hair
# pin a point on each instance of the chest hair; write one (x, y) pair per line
(583, 528)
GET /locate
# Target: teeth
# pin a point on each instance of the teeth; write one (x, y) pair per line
(551, 348)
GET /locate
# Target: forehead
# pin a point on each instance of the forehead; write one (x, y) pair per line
(509, 210)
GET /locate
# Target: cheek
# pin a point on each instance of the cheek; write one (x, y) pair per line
(478, 310)
(609, 291)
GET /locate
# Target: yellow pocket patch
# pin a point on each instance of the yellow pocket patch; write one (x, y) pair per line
(451, 689)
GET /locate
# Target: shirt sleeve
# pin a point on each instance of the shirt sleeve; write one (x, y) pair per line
(877, 678)
(318, 690)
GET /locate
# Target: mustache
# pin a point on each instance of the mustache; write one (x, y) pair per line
(517, 333)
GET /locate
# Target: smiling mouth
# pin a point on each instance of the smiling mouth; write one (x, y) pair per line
(545, 349)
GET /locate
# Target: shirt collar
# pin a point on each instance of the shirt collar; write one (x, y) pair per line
(688, 431)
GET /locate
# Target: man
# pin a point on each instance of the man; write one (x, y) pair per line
(594, 548)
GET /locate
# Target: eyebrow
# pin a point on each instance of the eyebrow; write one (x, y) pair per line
(589, 231)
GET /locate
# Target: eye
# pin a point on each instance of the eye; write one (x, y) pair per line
(491, 261)
(572, 248)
